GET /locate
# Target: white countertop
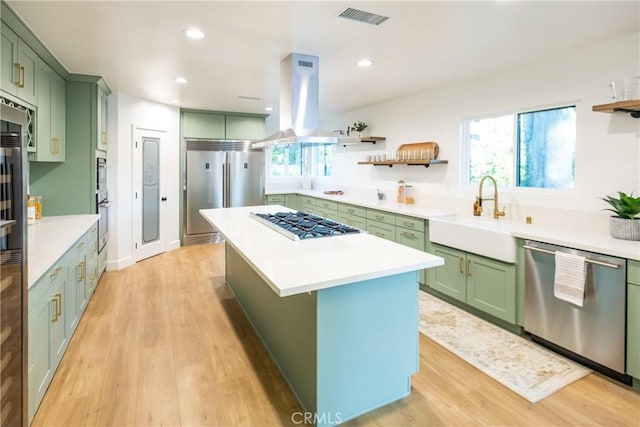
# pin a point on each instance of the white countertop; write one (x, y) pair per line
(50, 237)
(293, 267)
(600, 242)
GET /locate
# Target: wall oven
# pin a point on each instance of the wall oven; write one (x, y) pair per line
(102, 203)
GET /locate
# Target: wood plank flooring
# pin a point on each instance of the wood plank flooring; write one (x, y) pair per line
(164, 343)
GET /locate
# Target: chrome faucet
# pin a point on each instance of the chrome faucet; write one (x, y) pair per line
(497, 213)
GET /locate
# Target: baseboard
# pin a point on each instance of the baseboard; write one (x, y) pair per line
(120, 263)
(175, 244)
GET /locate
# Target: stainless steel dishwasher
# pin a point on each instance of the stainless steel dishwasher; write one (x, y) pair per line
(593, 334)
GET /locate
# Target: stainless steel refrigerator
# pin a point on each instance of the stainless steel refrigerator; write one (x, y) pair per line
(13, 268)
(219, 174)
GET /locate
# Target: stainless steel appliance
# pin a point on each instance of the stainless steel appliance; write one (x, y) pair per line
(303, 225)
(102, 203)
(13, 268)
(218, 174)
(593, 334)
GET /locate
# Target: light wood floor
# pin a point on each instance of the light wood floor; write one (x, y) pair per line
(163, 343)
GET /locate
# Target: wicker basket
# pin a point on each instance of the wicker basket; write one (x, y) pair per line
(625, 229)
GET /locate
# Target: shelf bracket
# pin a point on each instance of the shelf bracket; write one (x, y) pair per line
(634, 113)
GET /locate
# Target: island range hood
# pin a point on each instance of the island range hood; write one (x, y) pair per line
(299, 117)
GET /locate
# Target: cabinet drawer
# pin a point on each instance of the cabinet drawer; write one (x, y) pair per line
(410, 222)
(307, 203)
(327, 213)
(352, 210)
(381, 229)
(327, 204)
(381, 216)
(633, 272)
(292, 201)
(352, 220)
(411, 238)
(275, 199)
(42, 288)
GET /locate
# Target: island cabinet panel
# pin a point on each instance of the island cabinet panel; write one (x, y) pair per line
(633, 320)
(343, 350)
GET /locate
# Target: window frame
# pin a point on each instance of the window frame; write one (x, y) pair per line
(464, 172)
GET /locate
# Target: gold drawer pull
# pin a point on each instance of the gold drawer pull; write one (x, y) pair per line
(380, 217)
(468, 267)
(79, 245)
(410, 235)
(461, 265)
(55, 272)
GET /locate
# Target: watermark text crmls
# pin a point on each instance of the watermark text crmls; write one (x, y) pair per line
(314, 418)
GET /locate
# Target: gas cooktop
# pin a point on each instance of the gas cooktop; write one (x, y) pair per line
(303, 225)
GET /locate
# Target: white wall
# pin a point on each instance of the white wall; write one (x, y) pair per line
(608, 146)
(123, 112)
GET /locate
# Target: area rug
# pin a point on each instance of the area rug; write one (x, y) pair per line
(524, 367)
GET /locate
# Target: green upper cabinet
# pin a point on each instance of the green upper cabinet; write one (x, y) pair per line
(19, 67)
(69, 187)
(50, 116)
(102, 137)
(208, 125)
(244, 127)
(203, 125)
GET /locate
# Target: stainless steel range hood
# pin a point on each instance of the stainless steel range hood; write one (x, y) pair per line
(299, 117)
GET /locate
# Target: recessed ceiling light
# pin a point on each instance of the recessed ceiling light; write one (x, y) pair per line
(365, 63)
(268, 109)
(180, 80)
(194, 33)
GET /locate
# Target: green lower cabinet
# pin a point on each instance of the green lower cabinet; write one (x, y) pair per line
(91, 268)
(275, 199)
(40, 365)
(78, 288)
(382, 229)
(352, 220)
(633, 330)
(292, 201)
(480, 282)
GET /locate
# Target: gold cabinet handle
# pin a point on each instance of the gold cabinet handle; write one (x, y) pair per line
(408, 224)
(468, 267)
(461, 265)
(17, 70)
(21, 76)
(104, 138)
(351, 210)
(82, 271)
(380, 217)
(54, 299)
(55, 272)
(52, 146)
(79, 245)
(59, 313)
(409, 235)
(57, 146)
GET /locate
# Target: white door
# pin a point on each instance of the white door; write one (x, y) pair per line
(149, 193)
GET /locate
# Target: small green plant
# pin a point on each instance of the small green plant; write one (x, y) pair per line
(624, 206)
(358, 126)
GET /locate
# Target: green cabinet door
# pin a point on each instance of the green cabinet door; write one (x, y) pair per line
(50, 116)
(91, 269)
(77, 290)
(8, 58)
(40, 365)
(102, 137)
(633, 330)
(59, 332)
(244, 127)
(292, 201)
(449, 278)
(203, 125)
(491, 287)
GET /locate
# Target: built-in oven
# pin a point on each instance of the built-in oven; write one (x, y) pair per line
(102, 203)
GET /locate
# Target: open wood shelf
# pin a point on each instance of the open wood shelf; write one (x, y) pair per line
(632, 107)
(369, 139)
(390, 163)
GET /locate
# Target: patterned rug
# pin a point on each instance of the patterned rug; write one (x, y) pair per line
(524, 367)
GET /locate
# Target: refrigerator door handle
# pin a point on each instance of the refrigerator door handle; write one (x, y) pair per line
(224, 185)
(228, 185)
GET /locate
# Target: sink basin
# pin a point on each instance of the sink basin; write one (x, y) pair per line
(482, 236)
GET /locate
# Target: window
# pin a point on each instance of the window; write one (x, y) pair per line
(526, 149)
(290, 160)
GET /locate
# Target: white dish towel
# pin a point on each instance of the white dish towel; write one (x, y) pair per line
(570, 277)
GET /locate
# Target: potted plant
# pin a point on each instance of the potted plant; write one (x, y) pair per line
(625, 225)
(358, 127)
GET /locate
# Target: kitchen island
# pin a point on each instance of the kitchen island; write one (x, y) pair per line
(338, 315)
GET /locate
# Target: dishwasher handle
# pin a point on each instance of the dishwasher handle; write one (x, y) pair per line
(590, 261)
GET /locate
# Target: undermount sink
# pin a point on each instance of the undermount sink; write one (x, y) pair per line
(482, 236)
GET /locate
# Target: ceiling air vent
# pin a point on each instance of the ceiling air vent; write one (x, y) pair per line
(362, 16)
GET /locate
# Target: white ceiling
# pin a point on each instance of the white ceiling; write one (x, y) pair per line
(139, 46)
